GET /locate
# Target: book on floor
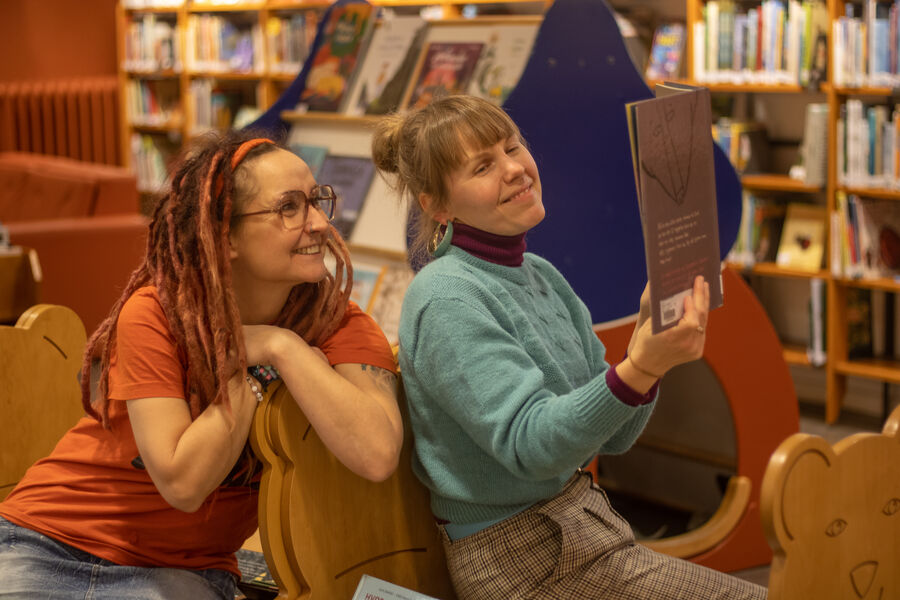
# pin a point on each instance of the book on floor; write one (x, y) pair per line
(672, 155)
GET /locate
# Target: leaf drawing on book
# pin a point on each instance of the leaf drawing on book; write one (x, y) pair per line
(670, 154)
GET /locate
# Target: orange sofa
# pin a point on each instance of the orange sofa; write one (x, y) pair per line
(83, 220)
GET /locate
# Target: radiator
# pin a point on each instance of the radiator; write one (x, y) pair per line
(77, 118)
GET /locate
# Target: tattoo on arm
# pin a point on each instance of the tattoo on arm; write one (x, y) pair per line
(384, 379)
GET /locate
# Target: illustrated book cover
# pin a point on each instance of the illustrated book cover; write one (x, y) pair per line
(802, 244)
(336, 58)
(445, 68)
(312, 155)
(666, 52)
(384, 59)
(672, 154)
(502, 61)
(350, 176)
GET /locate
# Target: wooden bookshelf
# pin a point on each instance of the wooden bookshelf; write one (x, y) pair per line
(838, 366)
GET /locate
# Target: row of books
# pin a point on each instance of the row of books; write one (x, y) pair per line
(865, 237)
(873, 324)
(867, 151)
(792, 235)
(149, 157)
(154, 102)
(364, 67)
(774, 42)
(866, 48)
(151, 44)
(219, 43)
(210, 105)
(744, 142)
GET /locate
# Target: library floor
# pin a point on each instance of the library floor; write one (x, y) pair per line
(812, 421)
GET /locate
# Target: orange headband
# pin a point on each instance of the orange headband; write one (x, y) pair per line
(246, 147)
(239, 156)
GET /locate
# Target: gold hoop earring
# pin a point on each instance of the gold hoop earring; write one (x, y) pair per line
(441, 239)
(436, 238)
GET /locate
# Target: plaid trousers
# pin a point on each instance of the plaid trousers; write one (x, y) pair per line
(573, 546)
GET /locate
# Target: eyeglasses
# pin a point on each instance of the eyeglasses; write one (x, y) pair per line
(294, 206)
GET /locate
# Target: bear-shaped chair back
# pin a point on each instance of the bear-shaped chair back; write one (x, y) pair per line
(832, 516)
(40, 397)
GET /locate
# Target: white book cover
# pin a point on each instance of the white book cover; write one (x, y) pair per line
(372, 588)
(386, 51)
(502, 61)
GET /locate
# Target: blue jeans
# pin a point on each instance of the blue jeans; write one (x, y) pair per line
(33, 565)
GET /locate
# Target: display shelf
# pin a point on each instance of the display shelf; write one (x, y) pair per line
(884, 193)
(870, 368)
(777, 183)
(773, 270)
(795, 354)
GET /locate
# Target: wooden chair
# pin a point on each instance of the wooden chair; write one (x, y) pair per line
(322, 526)
(40, 398)
(832, 516)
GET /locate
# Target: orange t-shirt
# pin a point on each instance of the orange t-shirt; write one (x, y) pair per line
(93, 493)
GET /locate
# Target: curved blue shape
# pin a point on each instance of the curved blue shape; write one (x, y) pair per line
(570, 106)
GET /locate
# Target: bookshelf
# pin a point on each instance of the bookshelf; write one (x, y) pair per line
(872, 85)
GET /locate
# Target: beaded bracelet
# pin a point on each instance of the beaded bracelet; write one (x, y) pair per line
(255, 389)
(264, 374)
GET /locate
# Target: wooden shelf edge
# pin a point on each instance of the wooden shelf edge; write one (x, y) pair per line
(883, 193)
(296, 115)
(778, 183)
(774, 270)
(882, 369)
(880, 283)
(795, 354)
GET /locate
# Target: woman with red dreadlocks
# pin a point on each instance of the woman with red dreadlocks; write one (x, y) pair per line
(151, 494)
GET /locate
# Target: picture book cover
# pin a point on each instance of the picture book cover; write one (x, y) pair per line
(672, 154)
(384, 58)
(350, 176)
(666, 51)
(802, 244)
(502, 61)
(312, 155)
(446, 68)
(366, 280)
(335, 59)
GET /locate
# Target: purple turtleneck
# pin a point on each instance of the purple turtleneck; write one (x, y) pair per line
(506, 250)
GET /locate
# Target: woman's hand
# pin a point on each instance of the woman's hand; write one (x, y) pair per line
(651, 356)
(679, 344)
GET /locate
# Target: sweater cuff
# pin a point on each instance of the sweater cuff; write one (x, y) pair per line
(624, 392)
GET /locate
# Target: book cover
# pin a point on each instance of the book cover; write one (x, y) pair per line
(384, 58)
(312, 155)
(366, 281)
(672, 152)
(372, 588)
(350, 176)
(446, 68)
(666, 52)
(878, 227)
(502, 61)
(802, 244)
(335, 59)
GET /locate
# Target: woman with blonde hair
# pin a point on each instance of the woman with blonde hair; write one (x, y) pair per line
(151, 494)
(508, 387)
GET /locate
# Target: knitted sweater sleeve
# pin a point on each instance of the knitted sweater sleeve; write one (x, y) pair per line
(479, 381)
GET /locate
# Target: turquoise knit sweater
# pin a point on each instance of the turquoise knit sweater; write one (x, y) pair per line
(505, 383)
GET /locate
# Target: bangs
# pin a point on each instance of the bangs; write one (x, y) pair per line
(473, 130)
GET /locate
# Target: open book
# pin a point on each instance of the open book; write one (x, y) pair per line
(672, 152)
